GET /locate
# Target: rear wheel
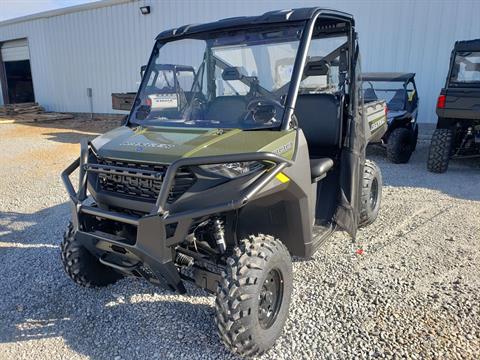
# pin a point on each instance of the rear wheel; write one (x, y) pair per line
(371, 193)
(440, 150)
(254, 295)
(416, 137)
(81, 266)
(400, 146)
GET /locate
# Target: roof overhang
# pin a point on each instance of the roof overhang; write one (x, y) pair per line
(271, 17)
(63, 11)
(467, 45)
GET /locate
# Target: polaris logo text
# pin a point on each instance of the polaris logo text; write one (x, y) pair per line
(142, 146)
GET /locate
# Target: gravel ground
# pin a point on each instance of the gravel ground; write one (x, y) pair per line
(413, 291)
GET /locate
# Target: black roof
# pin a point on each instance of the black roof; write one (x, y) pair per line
(277, 16)
(387, 76)
(468, 45)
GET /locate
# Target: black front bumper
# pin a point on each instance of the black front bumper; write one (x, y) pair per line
(152, 253)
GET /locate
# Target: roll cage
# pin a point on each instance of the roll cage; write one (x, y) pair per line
(404, 79)
(316, 22)
(460, 47)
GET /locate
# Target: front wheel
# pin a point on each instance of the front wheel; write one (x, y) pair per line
(254, 295)
(81, 266)
(371, 193)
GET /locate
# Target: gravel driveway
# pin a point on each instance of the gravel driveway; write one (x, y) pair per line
(413, 292)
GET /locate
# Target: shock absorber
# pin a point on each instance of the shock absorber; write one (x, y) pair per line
(184, 260)
(219, 234)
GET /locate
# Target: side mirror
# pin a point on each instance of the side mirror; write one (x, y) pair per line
(232, 73)
(317, 68)
(264, 113)
(142, 70)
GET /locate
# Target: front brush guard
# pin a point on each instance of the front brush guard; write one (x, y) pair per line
(152, 249)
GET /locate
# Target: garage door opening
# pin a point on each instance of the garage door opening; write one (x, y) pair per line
(17, 83)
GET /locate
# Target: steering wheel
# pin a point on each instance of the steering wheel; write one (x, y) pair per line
(262, 110)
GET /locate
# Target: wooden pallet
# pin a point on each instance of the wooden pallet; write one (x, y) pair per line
(25, 118)
(23, 108)
(28, 112)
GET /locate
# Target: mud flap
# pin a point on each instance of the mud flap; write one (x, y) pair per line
(345, 217)
(348, 209)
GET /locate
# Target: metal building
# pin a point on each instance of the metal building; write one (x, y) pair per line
(55, 57)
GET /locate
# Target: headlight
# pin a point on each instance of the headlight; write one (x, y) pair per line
(233, 170)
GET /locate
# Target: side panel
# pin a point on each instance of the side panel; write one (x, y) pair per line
(287, 214)
(352, 157)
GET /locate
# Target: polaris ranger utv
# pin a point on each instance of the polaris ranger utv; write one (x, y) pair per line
(400, 92)
(458, 109)
(265, 161)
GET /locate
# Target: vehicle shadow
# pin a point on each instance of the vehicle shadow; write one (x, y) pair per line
(73, 137)
(68, 131)
(131, 319)
(460, 181)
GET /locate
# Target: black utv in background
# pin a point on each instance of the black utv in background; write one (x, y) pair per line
(400, 93)
(458, 109)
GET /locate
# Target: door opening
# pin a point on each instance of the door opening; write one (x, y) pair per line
(15, 72)
(19, 81)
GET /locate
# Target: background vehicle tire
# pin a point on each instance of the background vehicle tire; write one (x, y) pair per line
(415, 137)
(400, 146)
(440, 150)
(254, 295)
(81, 266)
(371, 193)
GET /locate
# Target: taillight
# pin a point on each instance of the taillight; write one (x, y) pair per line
(441, 102)
(148, 102)
(386, 111)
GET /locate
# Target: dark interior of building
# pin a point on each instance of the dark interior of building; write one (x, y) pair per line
(19, 81)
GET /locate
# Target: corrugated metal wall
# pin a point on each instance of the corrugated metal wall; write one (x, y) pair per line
(103, 48)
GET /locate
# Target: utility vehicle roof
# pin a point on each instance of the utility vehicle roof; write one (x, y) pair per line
(271, 17)
(467, 45)
(387, 76)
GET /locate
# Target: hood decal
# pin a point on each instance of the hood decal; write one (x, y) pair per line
(144, 145)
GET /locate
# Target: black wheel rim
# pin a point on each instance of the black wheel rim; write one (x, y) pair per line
(373, 194)
(270, 299)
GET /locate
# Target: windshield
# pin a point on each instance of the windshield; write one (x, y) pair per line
(466, 68)
(237, 80)
(392, 92)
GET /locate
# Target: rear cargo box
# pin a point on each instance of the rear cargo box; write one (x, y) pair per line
(123, 101)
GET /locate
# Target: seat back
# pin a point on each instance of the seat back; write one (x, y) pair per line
(319, 116)
(370, 95)
(397, 102)
(227, 109)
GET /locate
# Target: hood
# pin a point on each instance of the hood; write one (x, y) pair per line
(167, 144)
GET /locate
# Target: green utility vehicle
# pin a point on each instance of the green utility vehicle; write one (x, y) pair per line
(262, 159)
(458, 108)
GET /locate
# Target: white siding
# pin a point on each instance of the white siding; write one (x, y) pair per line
(104, 47)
